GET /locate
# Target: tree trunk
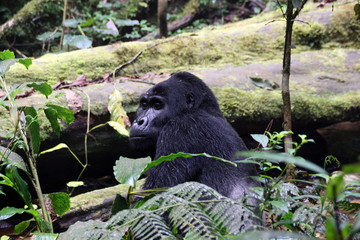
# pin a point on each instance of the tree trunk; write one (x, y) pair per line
(30, 10)
(162, 22)
(286, 75)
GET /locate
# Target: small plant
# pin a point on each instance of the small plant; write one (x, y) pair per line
(26, 136)
(306, 209)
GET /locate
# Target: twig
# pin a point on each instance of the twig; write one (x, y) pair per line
(132, 61)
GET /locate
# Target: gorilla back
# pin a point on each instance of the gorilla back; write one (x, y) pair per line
(182, 114)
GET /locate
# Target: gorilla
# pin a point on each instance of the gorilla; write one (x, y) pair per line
(182, 114)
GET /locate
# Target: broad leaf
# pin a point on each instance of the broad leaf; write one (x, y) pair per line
(43, 88)
(71, 23)
(117, 112)
(8, 212)
(78, 41)
(261, 138)
(52, 116)
(64, 113)
(20, 186)
(5, 65)
(119, 128)
(46, 36)
(26, 62)
(75, 184)
(128, 170)
(128, 22)
(60, 202)
(33, 128)
(19, 228)
(7, 54)
(283, 157)
(265, 84)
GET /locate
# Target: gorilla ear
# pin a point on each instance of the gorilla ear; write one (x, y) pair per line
(190, 101)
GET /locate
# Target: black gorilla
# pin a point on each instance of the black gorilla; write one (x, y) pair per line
(181, 114)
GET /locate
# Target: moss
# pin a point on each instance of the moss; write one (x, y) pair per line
(345, 27)
(310, 34)
(262, 105)
(255, 106)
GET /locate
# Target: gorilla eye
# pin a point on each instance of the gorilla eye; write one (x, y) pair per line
(143, 104)
(158, 105)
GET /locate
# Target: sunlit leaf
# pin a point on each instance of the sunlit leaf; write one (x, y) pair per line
(75, 184)
(78, 41)
(128, 170)
(46, 36)
(5, 65)
(283, 157)
(57, 147)
(117, 113)
(7, 54)
(261, 138)
(119, 128)
(265, 84)
(71, 22)
(128, 22)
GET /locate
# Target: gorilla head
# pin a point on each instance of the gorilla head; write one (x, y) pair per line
(181, 114)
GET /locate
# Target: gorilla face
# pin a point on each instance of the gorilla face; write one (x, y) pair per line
(155, 110)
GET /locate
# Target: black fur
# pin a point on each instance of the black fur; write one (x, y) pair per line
(181, 114)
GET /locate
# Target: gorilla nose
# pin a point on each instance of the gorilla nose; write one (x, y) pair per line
(142, 122)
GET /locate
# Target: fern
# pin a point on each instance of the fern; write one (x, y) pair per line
(189, 210)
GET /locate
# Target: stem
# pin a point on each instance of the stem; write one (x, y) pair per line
(31, 163)
(63, 25)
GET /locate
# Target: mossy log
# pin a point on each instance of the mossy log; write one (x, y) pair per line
(240, 43)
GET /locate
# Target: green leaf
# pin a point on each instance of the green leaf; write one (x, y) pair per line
(5, 65)
(265, 84)
(128, 22)
(128, 170)
(43, 88)
(119, 128)
(261, 138)
(357, 9)
(78, 41)
(88, 22)
(71, 23)
(7, 54)
(12, 158)
(52, 116)
(15, 92)
(33, 128)
(75, 184)
(20, 186)
(8, 212)
(57, 147)
(26, 62)
(280, 205)
(119, 204)
(60, 202)
(46, 36)
(44, 236)
(351, 168)
(64, 113)
(173, 156)
(19, 228)
(283, 157)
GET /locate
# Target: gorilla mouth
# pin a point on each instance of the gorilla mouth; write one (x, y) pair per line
(139, 137)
